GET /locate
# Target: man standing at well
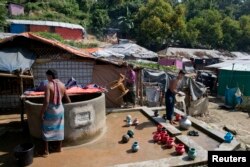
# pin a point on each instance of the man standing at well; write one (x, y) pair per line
(170, 96)
(52, 112)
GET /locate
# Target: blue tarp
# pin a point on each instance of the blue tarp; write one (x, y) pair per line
(12, 59)
(230, 97)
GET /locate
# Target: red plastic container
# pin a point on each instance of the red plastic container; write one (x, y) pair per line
(177, 117)
(159, 128)
(157, 137)
(170, 142)
(164, 139)
(179, 148)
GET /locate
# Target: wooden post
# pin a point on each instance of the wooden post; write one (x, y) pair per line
(21, 85)
(22, 102)
(141, 87)
(137, 83)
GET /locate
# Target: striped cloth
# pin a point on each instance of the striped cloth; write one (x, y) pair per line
(53, 123)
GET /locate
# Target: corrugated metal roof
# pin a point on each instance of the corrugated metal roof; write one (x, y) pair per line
(194, 53)
(236, 65)
(241, 55)
(47, 23)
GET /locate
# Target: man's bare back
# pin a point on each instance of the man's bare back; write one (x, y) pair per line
(52, 91)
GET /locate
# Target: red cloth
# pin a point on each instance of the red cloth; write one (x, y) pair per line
(57, 93)
(73, 90)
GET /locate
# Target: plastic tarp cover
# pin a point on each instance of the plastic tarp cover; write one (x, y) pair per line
(196, 89)
(153, 93)
(126, 50)
(12, 59)
(156, 76)
(231, 97)
(199, 107)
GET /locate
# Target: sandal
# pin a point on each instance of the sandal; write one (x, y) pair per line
(193, 133)
(196, 133)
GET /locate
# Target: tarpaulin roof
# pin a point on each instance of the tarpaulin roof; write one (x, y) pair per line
(91, 50)
(12, 59)
(126, 50)
(57, 44)
(70, 49)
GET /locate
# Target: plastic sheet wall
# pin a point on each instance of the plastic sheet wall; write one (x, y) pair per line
(232, 79)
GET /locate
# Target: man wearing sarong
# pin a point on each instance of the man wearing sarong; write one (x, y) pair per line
(130, 84)
(170, 96)
(52, 112)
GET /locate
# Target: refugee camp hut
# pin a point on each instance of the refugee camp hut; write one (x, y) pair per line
(179, 63)
(195, 100)
(233, 74)
(198, 57)
(126, 51)
(104, 74)
(34, 55)
(208, 78)
(25, 59)
(66, 30)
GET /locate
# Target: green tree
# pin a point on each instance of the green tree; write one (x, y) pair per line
(110, 3)
(156, 24)
(207, 25)
(195, 6)
(244, 43)
(85, 5)
(3, 14)
(179, 24)
(245, 8)
(126, 23)
(99, 21)
(231, 33)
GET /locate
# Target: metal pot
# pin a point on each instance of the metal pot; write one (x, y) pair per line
(185, 123)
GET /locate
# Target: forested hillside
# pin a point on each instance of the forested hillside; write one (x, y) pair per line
(155, 24)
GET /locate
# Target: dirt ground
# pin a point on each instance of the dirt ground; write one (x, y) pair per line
(235, 120)
(11, 133)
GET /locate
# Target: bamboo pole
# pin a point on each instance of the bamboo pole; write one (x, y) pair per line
(141, 88)
(15, 76)
(137, 83)
(21, 86)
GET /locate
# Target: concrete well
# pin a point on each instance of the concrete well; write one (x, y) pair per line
(84, 118)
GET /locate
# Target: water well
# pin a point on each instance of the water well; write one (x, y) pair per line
(84, 118)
